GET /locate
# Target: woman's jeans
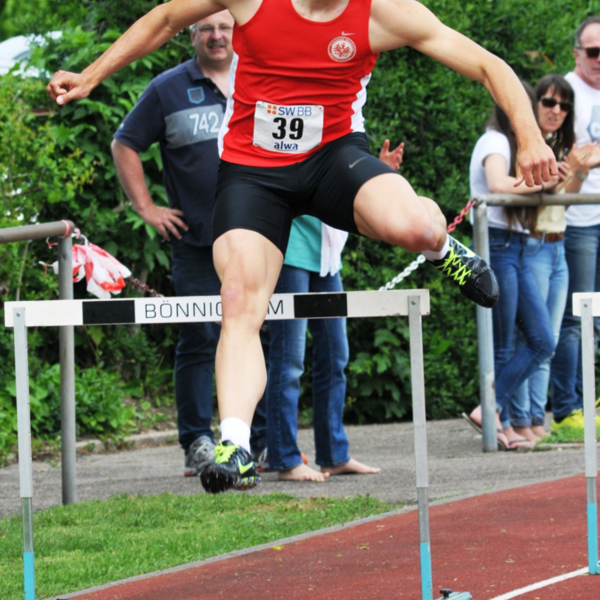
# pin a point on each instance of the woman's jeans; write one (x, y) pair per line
(582, 250)
(548, 266)
(521, 303)
(286, 365)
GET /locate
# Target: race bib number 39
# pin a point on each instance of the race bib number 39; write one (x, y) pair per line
(289, 129)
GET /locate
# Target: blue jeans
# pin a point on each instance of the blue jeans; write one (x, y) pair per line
(582, 250)
(521, 304)
(193, 274)
(548, 266)
(286, 365)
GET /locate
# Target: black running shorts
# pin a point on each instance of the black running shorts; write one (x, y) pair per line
(324, 185)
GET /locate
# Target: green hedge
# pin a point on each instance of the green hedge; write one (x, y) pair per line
(66, 170)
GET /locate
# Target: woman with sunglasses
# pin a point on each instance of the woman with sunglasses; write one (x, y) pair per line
(493, 170)
(544, 246)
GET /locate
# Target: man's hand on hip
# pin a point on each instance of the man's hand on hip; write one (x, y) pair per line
(168, 221)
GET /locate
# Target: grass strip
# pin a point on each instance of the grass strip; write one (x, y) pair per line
(566, 435)
(100, 541)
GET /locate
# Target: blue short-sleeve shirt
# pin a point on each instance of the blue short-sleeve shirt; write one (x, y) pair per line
(183, 111)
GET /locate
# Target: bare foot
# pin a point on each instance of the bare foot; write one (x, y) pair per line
(302, 473)
(352, 466)
(539, 431)
(526, 432)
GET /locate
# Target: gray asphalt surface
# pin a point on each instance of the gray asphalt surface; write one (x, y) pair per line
(457, 467)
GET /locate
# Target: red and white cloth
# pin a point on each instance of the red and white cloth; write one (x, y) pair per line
(104, 274)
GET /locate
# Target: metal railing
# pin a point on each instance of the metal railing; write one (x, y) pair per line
(484, 317)
(62, 230)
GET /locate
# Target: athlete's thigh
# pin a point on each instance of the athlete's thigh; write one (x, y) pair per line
(339, 172)
(256, 199)
(387, 208)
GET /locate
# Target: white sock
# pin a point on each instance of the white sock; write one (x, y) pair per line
(433, 255)
(237, 431)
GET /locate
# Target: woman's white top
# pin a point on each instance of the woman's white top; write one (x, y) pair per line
(491, 142)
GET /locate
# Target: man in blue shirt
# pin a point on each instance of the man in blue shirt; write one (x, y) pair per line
(183, 109)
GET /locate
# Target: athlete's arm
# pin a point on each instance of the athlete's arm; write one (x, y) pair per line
(396, 23)
(144, 36)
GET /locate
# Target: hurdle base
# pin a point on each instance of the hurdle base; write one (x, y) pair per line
(446, 593)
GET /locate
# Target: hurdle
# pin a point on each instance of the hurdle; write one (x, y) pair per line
(587, 306)
(59, 313)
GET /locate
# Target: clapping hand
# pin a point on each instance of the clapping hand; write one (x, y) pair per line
(394, 158)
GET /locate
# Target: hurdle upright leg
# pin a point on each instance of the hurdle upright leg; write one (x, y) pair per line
(24, 432)
(419, 425)
(589, 411)
(417, 372)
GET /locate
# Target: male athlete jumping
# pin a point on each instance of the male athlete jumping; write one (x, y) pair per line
(292, 142)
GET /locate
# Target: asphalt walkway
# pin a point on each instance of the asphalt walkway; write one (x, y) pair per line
(457, 467)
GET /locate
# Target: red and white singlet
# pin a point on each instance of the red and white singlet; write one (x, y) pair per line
(295, 84)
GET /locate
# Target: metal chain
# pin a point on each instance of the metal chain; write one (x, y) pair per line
(415, 264)
(145, 288)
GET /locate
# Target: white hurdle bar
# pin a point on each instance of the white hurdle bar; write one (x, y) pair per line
(401, 303)
(587, 306)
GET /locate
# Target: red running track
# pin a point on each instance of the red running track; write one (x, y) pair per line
(488, 545)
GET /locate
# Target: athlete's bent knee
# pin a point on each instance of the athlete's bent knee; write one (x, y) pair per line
(239, 301)
(423, 236)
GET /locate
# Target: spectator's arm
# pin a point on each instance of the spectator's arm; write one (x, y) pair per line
(131, 175)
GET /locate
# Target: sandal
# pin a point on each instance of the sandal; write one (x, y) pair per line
(474, 424)
(518, 445)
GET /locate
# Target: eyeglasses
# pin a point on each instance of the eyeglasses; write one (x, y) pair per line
(549, 102)
(209, 29)
(593, 52)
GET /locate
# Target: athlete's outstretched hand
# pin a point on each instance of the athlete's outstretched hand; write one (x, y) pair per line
(392, 159)
(65, 86)
(536, 164)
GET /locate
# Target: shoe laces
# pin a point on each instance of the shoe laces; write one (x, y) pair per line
(223, 453)
(455, 268)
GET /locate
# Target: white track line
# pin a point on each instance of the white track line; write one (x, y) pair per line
(541, 584)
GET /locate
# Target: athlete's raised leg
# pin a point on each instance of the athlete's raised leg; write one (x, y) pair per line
(248, 265)
(387, 208)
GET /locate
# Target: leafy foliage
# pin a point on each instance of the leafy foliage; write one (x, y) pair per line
(99, 409)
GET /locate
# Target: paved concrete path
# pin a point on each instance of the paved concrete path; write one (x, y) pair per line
(457, 467)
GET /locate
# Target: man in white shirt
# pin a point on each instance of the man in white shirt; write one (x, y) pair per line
(582, 236)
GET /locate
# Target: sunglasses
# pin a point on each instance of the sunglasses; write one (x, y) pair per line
(593, 52)
(552, 102)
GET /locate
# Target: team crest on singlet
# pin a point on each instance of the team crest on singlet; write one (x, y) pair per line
(342, 49)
